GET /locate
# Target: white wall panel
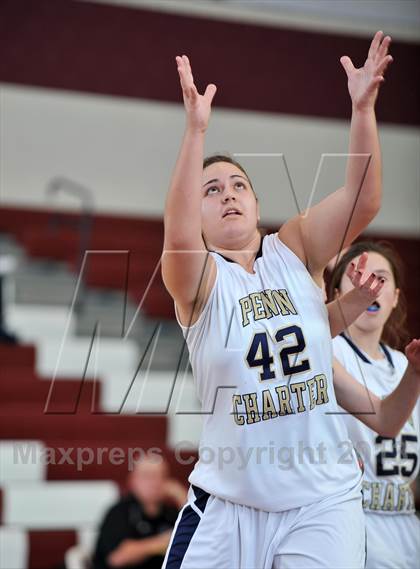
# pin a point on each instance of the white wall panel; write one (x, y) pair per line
(125, 151)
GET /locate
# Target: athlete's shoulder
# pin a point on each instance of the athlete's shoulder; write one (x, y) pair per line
(340, 346)
(272, 242)
(399, 359)
(347, 354)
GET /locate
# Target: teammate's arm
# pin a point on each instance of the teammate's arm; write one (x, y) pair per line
(338, 219)
(343, 311)
(385, 416)
(188, 271)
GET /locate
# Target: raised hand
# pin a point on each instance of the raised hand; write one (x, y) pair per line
(363, 83)
(372, 286)
(198, 107)
(412, 351)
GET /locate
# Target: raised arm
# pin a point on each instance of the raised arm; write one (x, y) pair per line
(339, 218)
(345, 310)
(187, 269)
(385, 416)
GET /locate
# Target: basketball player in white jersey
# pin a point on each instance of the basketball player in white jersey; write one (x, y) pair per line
(389, 413)
(272, 487)
(367, 351)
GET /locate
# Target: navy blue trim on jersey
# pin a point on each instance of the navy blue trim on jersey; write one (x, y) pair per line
(258, 255)
(387, 354)
(185, 530)
(201, 498)
(355, 348)
(363, 357)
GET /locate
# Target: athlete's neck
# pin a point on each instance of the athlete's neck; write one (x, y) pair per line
(366, 341)
(244, 254)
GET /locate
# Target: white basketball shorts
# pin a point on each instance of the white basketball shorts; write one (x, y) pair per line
(211, 533)
(393, 541)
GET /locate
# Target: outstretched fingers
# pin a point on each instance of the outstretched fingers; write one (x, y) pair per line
(210, 92)
(185, 75)
(383, 64)
(347, 63)
(374, 45)
(355, 272)
(351, 270)
(376, 287)
(363, 259)
(412, 351)
(373, 284)
(413, 345)
(383, 48)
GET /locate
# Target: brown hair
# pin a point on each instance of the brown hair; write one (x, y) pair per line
(395, 332)
(227, 158)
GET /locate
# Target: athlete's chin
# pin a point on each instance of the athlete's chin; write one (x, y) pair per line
(232, 231)
(369, 322)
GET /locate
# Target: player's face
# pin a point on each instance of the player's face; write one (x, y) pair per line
(229, 209)
(375, 317)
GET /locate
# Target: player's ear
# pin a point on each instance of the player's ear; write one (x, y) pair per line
(396, 298)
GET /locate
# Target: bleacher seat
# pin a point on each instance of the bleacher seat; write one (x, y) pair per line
(57, 505)
(14, 548)
(21, 461)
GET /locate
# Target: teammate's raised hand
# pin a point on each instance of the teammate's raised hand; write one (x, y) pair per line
(198, 107)
(412, 351)
(369, 288)
(363, 83)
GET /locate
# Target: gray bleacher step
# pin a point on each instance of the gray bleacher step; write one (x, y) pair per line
(170, 345)
(44, 282)
(51, 283)
(9, 246)
(107, 306)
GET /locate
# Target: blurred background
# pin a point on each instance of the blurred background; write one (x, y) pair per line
(94, 372)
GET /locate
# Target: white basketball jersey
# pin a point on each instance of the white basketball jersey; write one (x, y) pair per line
(391, 464)
(261, 355)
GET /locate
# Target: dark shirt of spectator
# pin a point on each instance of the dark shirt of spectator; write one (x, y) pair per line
(128, 520)
(136, 531)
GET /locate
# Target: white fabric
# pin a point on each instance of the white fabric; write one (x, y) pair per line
(329, 533)
(384, 493)
(290, 456)
(393, 542)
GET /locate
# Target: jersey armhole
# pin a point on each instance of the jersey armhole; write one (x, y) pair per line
(205, 307)
(280, 244)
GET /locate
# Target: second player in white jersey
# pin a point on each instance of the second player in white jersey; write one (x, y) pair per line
(391, 463)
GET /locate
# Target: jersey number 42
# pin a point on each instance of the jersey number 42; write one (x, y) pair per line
(259, 353)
